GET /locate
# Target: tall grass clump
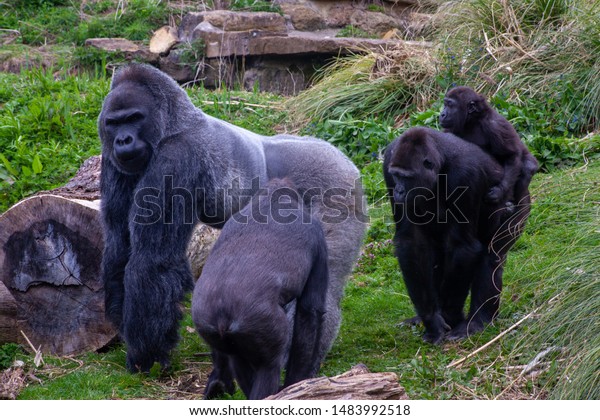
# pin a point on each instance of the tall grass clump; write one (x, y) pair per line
(547, 50)
(566, 335)
(373, 84)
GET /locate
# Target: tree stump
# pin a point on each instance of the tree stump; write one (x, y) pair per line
(357, 384)
(50, 253)
(50, 263)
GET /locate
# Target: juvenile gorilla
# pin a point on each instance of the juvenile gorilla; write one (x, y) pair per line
(167, 166)
(268, 255)
(469, 116)
(436, 183)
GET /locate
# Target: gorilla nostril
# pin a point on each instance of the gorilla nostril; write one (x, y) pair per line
(123, 140)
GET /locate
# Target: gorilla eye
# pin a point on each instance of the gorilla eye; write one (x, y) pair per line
(136, 116)
(124, 119)
(428, 164)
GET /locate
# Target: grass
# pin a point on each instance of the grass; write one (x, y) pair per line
(64, 22)
(557, 255)
(48, 125)
(367, 85)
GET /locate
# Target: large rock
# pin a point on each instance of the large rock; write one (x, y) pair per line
(232, 21)
(112, 44)
(163, 40)
(255, 43)
(373, 22)
(304, 17)
(339, 15)
(130, 50)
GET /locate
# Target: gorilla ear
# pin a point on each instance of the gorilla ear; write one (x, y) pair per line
(473, 107)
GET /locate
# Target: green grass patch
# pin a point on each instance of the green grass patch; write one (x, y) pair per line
(42, 22)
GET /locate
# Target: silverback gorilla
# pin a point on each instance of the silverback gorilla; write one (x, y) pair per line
(167, 166)
(437, 184)
(468, 115)
(269, 254)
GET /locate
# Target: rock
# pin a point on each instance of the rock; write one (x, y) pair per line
(174, 67)
(163, 40)
(304, 17)
(112, 44)
(232, 21)
(129, 49)
(373, 22)
(339, 15)
(283, 75)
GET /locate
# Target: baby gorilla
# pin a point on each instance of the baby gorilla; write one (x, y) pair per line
(269, 256)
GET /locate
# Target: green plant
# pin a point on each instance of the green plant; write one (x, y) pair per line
(8, 353)
(375, 8)
(41, 22)
(565, 337)
(350, 31)
(361, 140)
(255, 6)
(191, 53)
(47, 128)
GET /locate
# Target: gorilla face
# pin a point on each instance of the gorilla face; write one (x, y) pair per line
(414, 167)
(128, 126)
(461, 106)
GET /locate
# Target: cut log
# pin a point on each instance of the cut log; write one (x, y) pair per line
(50, 263)
(50, 253)
(357, 384)
(8, 316)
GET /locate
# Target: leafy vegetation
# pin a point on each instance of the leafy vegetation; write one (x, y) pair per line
(41, 22)
(255, 6)
(354, 32)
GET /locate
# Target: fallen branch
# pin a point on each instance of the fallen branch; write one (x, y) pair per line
(38, 359)
(492, 341)
(357, 384)
(536, 362)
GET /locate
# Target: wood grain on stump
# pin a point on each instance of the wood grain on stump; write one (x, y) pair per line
(50, 254)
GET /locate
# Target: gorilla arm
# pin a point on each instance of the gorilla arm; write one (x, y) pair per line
(116, 236)
(505, 147)
(158, 275)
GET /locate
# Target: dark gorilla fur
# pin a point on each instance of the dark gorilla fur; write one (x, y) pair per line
(469, 116)
(268, 255)
(437, 183)
(159, 150)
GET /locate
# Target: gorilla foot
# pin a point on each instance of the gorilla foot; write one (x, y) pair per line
(433, 337)
(435, 329)
(217, 388)
(415, 320)
(464, 329)
(144, 364)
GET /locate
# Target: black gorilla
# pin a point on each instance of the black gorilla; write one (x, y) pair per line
(268, 255)
(437, 183)
(469, 116)
(167, 166)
